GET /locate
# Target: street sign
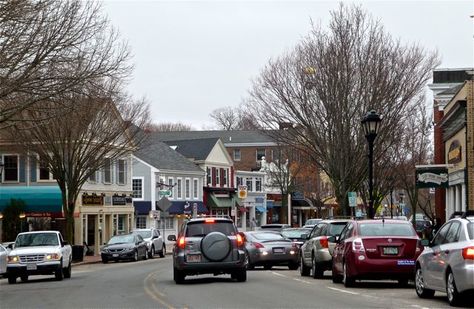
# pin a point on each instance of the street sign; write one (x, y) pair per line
(164, 192)
(352, 199)
(242, 192)
(163, 203)
(187, 208)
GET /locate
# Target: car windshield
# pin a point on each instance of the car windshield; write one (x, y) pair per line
(336, 228)
(386, 229)
(268, 236)
(144, 234)
(37, 239)
(296, 233)
(198, 229)
(121, 239)
(312, 221)
(470, 230)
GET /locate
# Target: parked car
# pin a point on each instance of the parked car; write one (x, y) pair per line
(154, 241)
(124, 247)
(268, 249)
(274, 226)
(310, 223)
(3, 260)
(297, 235)
(423, 225)
(209, 245)
(316, 252)
(375, 249)
(447, 263)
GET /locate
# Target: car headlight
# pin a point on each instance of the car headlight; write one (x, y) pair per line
(53, 257)
(14, 259)
(105, 250)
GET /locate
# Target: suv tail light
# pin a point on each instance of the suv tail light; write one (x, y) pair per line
(258, 245)
(468, 253)
(240, 240)
(181, 242)
(358, 245)
(323, 241)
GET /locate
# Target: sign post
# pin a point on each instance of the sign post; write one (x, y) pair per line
(352, 201)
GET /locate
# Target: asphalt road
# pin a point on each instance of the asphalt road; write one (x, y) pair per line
(149, 284)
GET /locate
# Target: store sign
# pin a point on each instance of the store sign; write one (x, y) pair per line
(242, 192)
(454, 153)
(92, 200)
(432, 177)
(119, 200)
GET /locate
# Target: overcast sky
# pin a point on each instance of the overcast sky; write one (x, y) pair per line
(192, 57)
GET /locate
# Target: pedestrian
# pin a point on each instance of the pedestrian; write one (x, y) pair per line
(435, 227)
(253, 224)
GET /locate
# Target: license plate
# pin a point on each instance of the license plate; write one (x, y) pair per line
(390, 250)
(193, 258)
(31, 266)
(278, 250)
(115, 255)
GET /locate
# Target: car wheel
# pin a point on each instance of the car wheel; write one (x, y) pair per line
(346, 279)
(239, 275)
(135, 256)
(454, 297)
(316, 272)
(420, 289)
(162, 252)
(304, 270)
(145, 255)
(178, 276)
(59, 274)
(11, 279)
(247, 263)
(67, 271)
(152, 252)
(24, 278)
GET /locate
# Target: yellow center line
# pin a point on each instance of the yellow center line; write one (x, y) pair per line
(152, 291)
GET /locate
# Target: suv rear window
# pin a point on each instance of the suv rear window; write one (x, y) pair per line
(336, 228)
(391, 229)
(470, 230)
(199, 228)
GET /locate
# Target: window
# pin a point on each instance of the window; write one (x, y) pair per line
(453, 233)
(10, 168)
(179, 194)
(249, 184)
(239, 181)
(166, 223)
(107, 171)
(121, 223)
(237, 155)
(440, 237)
(209, 176)
(137, 187)
(195, 188)
(140, 222)
(187, 189)
(224, 178)
(258, 184)
(93, 177)
(171, 186)
(217, 176)
(43, 171)
(122, 171)
(260, 153)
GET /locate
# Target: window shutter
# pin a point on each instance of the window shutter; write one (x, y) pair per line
(125, 173)
(213, 177)
(22, 169)
(33, 169)
(231, 177)
(222, 177)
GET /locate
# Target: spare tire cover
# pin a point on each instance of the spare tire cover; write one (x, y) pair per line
(215, 246)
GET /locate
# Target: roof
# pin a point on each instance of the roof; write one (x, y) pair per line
(452, 90)
(197, 149)
(227, 137)
(161, 156)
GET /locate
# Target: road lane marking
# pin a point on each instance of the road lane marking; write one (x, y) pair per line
(417, 306)
(304, 281)
(152, 291)
(280, 275)
(343, 291)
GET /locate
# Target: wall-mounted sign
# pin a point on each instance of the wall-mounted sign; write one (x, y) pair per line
(119, 200)
(454, 152)
(431, 177)
(242, 192)
(92, 200)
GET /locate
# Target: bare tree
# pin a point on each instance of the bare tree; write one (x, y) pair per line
(52, 47)
(169, 127)
(326, 85)
(96, 131)
(228, 118)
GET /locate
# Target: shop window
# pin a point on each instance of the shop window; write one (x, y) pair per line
(166, 223)
(137, 187)
(121, 224)
(237, 155)
(140, 222)
(11, 168)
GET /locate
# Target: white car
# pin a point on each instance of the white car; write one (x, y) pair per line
(3, 260)
(154, 241)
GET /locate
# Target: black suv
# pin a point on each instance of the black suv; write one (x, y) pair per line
(209, 246)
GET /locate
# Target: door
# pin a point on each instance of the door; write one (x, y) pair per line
(434, 267)
(91, 230)
(3, 260)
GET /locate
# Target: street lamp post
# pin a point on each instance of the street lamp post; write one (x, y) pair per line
(370, 122)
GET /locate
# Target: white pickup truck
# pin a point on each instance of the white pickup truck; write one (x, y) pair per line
(39, 253)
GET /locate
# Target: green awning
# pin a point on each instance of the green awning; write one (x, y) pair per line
(45, 200)
(220, 202)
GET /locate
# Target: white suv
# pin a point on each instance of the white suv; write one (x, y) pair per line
(154, 241)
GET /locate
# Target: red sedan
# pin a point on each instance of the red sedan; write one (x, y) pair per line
(376, 249)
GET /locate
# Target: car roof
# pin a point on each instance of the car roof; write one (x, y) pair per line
(388, 221)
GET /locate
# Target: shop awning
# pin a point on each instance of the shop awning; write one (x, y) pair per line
(178, 208)
(302, 204)
(142, 207)
(39, 200)
(260, 209)
(220, 202)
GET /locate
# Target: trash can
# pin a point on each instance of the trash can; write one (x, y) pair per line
(77, 253)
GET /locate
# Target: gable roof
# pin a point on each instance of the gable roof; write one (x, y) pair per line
(196, 149)
(161, 156)
(227, 137)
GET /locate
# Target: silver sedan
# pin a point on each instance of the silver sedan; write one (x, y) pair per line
(447, 263)
(267, 249)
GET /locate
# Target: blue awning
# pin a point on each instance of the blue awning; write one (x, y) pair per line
(178, 208)
(142, 207)
(43, 200)
(260, 209)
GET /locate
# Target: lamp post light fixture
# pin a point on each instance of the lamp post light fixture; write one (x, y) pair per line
(371, 122)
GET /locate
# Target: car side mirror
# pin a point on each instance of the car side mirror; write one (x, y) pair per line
(172, 237)
(154, 237)
(64, 243)
(425, 242)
